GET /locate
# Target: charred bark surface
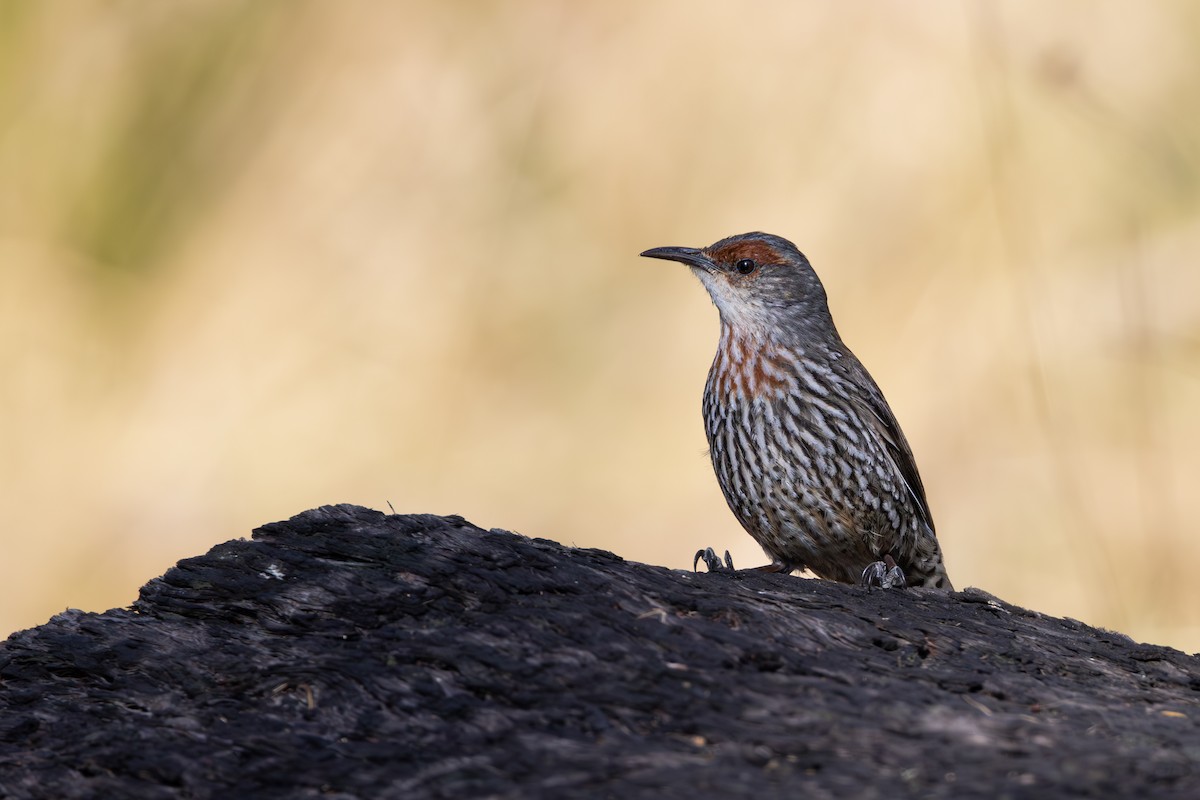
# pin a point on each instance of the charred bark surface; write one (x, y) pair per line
(348, 653)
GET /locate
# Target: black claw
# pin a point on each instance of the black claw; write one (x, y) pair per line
(884, 574)
(894, 579)
(874, 573)
(712, 561)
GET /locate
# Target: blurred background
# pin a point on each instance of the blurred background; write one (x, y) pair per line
(256, 257)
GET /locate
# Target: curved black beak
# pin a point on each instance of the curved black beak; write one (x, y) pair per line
(684, 255)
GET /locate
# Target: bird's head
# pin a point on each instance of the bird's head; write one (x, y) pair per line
(760, 283)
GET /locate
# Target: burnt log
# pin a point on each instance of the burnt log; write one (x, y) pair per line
(349, 653)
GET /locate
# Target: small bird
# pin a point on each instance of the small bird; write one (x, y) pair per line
(807, 452)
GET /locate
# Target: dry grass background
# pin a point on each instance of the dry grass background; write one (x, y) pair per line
(256, 257)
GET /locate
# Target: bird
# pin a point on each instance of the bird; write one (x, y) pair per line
(808, 454)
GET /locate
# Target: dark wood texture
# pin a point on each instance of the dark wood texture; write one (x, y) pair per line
(348, 653)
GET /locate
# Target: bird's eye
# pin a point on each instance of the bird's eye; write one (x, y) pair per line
(745, 266)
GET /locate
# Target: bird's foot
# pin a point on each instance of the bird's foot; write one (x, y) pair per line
(716, 564)
(713, 561)
(884, 574)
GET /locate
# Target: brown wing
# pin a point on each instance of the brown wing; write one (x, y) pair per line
(884, 423)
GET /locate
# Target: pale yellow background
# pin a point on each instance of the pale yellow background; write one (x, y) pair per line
(256, 257)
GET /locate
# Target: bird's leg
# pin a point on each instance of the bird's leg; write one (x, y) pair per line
(713, 561)
(884, 574)
(774, 567)
(715, 564)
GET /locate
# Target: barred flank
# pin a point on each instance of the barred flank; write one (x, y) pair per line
(814, 482)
